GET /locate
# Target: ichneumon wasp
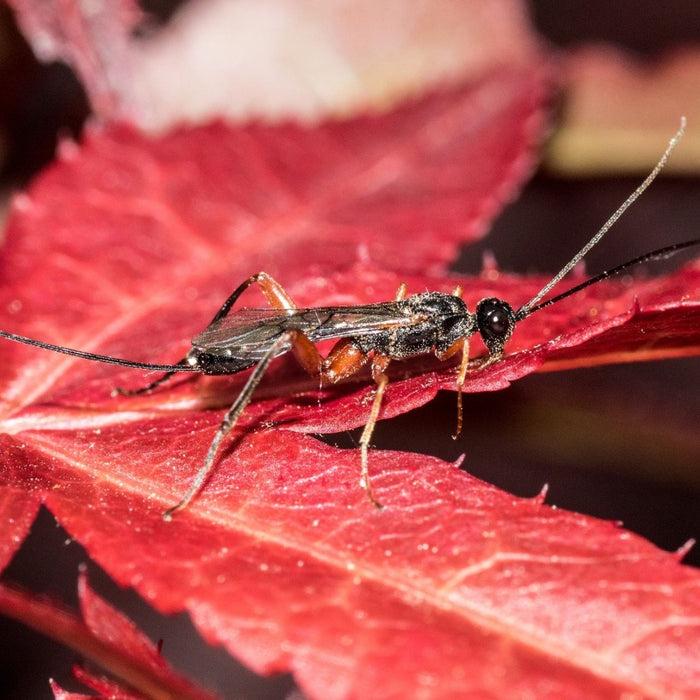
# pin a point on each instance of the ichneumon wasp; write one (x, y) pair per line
(408, 326)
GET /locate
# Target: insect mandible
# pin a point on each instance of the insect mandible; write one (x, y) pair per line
(378, 333)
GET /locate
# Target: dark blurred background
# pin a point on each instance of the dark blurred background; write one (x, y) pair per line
(615, 442)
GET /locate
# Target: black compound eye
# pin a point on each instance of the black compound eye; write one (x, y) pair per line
(498, 322)
(495, 320)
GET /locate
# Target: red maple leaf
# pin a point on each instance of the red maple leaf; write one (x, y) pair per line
(104, 636)
(126, 247)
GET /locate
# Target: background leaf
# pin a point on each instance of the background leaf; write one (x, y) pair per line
(273, 59)
(107, 638)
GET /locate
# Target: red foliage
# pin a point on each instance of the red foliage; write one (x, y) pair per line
(127, 246)
(17, 512)
(105, 637)
(95, 43)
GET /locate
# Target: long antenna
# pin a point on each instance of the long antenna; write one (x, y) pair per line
(98, 358)
(527, 309)
(665, 252)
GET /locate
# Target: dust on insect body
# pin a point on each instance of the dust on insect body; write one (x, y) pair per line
(371, 334)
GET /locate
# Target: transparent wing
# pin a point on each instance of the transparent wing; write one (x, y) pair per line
(248, 333)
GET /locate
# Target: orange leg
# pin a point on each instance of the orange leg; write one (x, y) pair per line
(461, 346)
(273, 291)
(344, 360)
(379, 365)
(334, 368)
